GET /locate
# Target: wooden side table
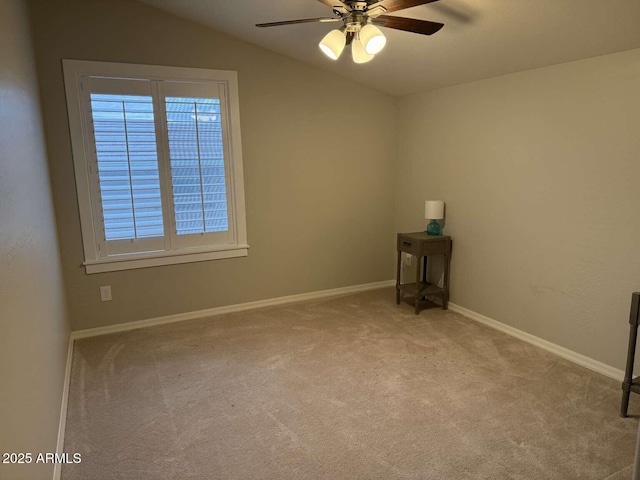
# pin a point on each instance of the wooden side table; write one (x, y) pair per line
(422, 246)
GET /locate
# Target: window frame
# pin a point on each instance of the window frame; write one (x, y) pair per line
(85, 167)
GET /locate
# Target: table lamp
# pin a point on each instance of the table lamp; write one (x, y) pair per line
(434, 210)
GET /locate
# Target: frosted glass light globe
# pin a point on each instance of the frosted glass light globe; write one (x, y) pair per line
(373, 39)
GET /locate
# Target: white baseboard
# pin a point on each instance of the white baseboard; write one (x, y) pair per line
(209, 312)
(57, 469)
(565, 353)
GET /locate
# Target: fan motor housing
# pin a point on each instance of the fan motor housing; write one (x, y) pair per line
(355, 21)
(358, 6)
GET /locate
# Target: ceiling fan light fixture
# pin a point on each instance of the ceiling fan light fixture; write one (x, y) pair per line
(372, 39)
(333, 44)
(359, 19)
(358, 52)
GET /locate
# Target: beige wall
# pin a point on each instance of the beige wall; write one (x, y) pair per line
(319, 204)
(34, 332)
(540, 173)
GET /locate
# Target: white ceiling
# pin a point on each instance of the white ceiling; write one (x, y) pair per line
(480, 39)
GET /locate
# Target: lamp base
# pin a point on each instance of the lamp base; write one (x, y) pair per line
(433, 228)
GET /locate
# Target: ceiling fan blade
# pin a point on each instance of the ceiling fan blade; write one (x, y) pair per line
(395, 5)
(336, 4)
(292, 22)
(423, 27)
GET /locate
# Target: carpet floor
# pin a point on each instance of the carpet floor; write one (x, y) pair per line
(351, 387)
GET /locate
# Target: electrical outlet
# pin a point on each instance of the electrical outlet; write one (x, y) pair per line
(408, 259)
(105, 293)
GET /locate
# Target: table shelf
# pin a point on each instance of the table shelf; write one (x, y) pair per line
(421, 289)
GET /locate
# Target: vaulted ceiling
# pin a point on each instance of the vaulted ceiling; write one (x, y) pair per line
(480, 39)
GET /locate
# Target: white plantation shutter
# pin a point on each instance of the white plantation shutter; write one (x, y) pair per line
(196, 126)
(158, 171)
(197, 164)
(127, 166)
(126, 158)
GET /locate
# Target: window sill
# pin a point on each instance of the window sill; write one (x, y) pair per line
(155, 259)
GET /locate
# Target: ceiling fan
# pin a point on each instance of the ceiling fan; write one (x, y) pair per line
(360, 21)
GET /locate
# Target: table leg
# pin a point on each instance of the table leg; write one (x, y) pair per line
(425, 264)
(634, 318)
(398, 277)
(417, 296)
(424, 271)
(445, 295)
(628, 373)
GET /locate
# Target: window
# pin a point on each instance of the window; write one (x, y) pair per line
(158, 164)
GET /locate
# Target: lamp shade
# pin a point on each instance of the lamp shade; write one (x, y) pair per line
(358, 53)
(434, 210)
(372, 39)
(333, 44)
